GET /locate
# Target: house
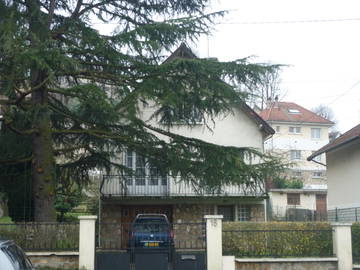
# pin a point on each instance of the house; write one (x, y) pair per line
(299, 133)
(343, 175)
(298, 204)
(123, 197)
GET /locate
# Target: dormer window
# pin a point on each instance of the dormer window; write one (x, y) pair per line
(294, 111)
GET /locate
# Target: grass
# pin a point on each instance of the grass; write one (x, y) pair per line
(6, 220)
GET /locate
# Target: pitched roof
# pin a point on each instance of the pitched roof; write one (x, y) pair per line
(347, 137)
(182, 52)
(291, 112)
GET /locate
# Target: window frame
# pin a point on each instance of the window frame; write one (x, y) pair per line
(293, 199)
(146, 178)
(294, 130)
(296, 157)
(312, 130)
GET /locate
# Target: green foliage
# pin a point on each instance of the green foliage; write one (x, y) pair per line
(277, 239)
(282, 182)
(355, 240)
(6, 220)
(42, 236)
(87, 89)
(66, 199)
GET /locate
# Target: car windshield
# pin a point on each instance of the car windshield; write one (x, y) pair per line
(18, 258)
(151, 225)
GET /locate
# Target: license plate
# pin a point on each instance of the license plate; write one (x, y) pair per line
(151, 244)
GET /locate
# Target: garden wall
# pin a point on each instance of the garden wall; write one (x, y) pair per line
(287, 264)
(58, 260)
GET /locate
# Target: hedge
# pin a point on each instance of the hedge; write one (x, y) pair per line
(277, 239)
(355, 240)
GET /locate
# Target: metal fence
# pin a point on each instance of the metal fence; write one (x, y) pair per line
(43, 236)
(344, 214)
(278, 243)
(186, 236)
(295, 213)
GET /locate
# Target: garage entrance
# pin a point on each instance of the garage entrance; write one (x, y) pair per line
(187, 253)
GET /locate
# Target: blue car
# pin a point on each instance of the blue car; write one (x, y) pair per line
(151, 231)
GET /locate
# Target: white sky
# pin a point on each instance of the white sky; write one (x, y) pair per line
(323, 57)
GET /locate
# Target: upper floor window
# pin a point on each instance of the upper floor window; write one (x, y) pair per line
(295, 154)
(317, 175)
(295, 130)
(315, 133)
(143, 172)
(294, 111)
(189, 114)
(277, 128)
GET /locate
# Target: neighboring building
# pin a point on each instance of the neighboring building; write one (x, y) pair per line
(298, 204)
(123, 197)
(299, 133)
(343, 175)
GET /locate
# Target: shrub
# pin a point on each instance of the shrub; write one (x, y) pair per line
(355, 239)
(277, 239)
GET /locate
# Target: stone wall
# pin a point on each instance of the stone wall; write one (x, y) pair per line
(288, 264)
(257, 213)
(57, 260)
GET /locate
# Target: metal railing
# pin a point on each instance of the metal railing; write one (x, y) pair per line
(169, 186)
(344, 214)
(43, 236)
(278, 243)
(296, 213)
(185, 236)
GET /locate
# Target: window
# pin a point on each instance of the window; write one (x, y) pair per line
(227, 211)
(294, 111)
(295, 130)
(315, 133)
(295, 154)
(189, 114)
(297, 174)
(317, 175)
(243, 212)
(144, 173)
(293, 198)
(277, 128)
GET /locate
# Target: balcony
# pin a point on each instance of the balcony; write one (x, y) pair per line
(168, 186)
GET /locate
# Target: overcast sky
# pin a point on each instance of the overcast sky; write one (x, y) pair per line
(318, 39)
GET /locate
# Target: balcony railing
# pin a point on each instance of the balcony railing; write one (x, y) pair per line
(168, 186)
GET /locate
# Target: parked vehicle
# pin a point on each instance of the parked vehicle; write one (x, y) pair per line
(151, 231)
(12, 257)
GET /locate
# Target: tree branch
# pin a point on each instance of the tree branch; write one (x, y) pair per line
(16, 161)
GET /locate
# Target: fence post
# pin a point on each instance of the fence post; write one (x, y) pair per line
(342, 245)
(214, 242)
(87, 242)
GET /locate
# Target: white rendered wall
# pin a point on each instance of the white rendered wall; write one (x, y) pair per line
(343, 172)
(235, 129)
(278, 201)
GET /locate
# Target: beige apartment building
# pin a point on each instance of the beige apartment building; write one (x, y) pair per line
(299, 133)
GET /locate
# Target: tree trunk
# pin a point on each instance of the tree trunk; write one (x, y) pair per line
(43, 156)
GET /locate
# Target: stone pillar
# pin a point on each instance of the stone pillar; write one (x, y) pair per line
(342, 245)
(228, 263)
(214, 242)
(87, 242)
